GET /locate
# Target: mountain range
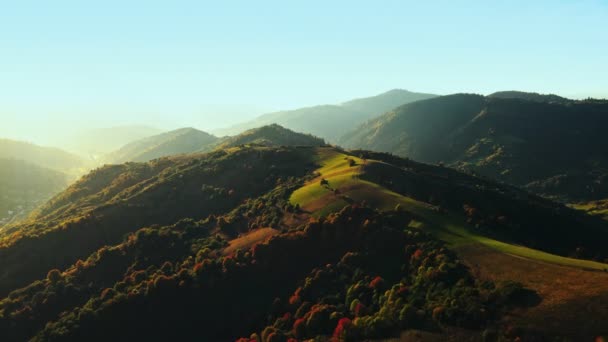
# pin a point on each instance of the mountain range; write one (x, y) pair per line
(331, 121)
(548, 145)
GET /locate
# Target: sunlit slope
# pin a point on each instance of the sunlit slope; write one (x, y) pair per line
(344, 186)
(458, 236)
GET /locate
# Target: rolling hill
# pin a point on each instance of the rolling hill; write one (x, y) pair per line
(312, 242)
(331, 121)
(549, 146)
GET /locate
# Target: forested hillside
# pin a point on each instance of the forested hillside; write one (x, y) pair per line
(314, 242)
(550, 146)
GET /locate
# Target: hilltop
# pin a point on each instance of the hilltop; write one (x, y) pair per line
(550, 147)
(331, 121)
(313, 242)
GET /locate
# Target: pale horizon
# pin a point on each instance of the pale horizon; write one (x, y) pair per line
(71, 66)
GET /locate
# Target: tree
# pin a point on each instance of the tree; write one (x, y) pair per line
(377, 283)
(341, 328)
(54, 276)
(299, 328)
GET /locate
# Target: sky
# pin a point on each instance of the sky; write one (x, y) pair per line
(67, 65)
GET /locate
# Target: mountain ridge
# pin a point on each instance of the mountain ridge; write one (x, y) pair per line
(330, 121)
(191, 140)
(524, 142)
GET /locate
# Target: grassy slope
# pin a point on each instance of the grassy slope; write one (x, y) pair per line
(246, 241)
(335, 168)
(573, 299)
(567, 286)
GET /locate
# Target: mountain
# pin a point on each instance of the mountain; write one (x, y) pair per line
(47, 157)
(24, 186)
(271, 135)
(308, 243)
(548, 147)
(183, 140)
(331, 121)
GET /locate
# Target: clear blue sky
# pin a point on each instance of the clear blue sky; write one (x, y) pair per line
(208, 63)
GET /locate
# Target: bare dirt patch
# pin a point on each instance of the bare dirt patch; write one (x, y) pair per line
(248, 240)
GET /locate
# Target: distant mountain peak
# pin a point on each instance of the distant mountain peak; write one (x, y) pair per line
(188, 130)
(396, 91)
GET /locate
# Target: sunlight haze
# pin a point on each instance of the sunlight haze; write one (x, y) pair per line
(73, 64)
